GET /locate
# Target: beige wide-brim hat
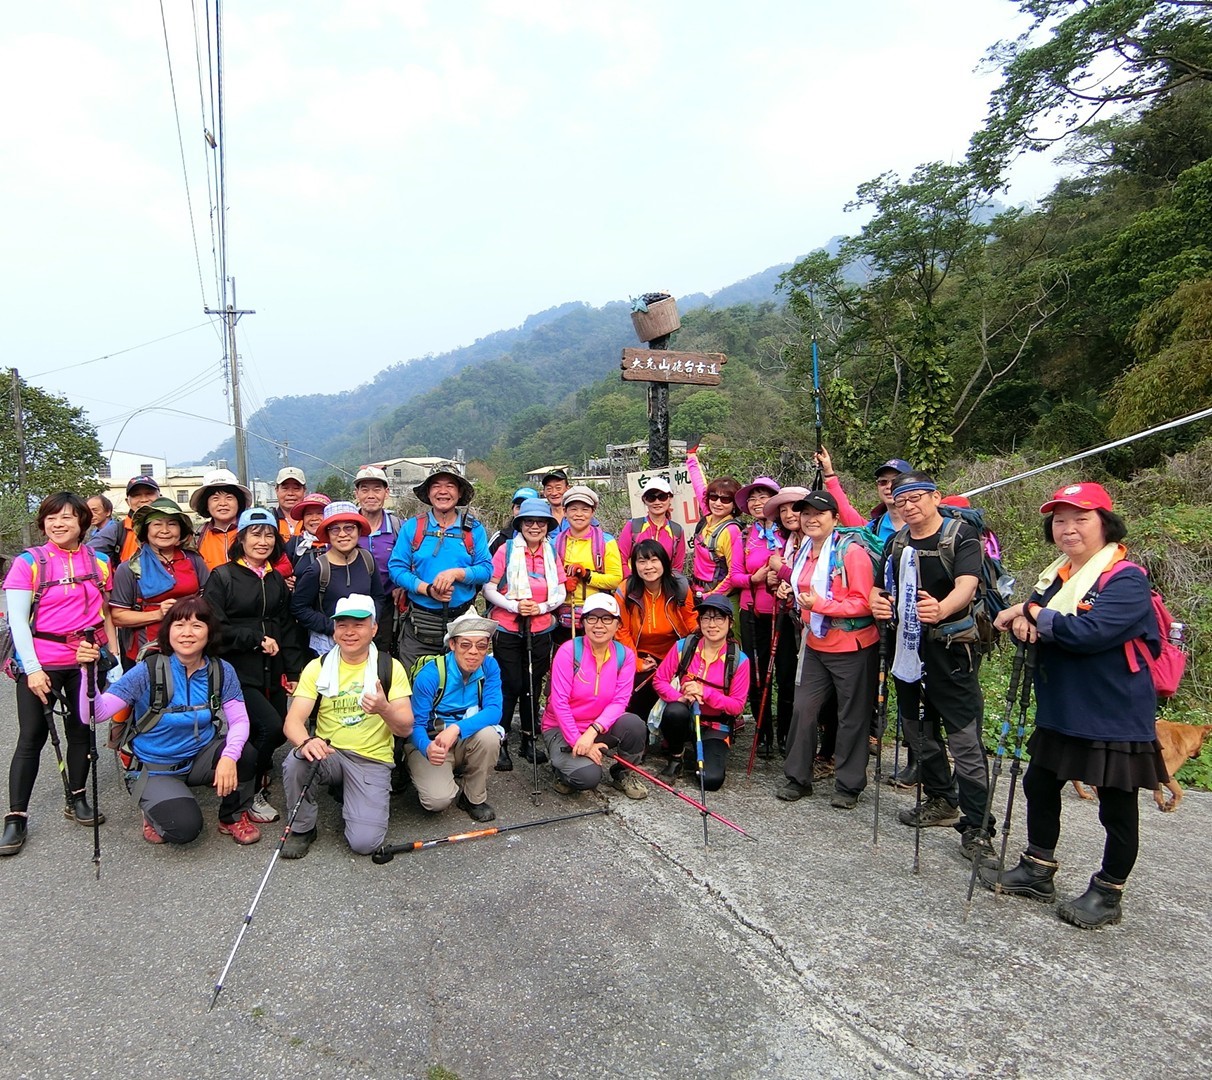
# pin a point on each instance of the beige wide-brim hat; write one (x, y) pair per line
(470, 623)
(785, 497)
(213, 481)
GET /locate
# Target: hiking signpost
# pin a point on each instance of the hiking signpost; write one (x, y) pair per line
(655, 318)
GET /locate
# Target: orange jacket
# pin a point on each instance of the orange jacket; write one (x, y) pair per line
(653, 627)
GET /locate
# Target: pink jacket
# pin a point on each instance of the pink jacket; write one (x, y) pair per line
(717, 699)
(579, 697)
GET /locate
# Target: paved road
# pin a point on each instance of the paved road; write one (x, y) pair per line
(612, 946)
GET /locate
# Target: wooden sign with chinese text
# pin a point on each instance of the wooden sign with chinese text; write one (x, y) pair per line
(666, 365)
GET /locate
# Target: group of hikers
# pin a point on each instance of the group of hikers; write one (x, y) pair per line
(386, 650)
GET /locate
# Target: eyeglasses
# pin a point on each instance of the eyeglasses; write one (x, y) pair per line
(479, 646)
(713, 616)
(341, 530)
(597, 617)
(910, 500)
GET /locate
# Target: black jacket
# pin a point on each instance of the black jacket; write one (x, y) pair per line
(250, 608)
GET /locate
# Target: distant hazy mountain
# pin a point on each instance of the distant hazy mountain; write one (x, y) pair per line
(427, 402)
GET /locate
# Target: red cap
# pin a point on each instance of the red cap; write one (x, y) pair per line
(1083, 496)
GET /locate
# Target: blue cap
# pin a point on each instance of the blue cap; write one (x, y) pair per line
(524, 493)
(256, 515)
(897, 465)
(716, 602)
(537, 508)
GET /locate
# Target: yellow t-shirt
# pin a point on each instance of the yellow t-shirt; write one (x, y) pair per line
(341, 720)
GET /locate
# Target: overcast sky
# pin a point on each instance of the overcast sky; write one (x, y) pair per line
(404, 176)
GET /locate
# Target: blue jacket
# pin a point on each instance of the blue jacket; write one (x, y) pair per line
(178, 736)
(1083, 685)
(461, 693)
(441, 549)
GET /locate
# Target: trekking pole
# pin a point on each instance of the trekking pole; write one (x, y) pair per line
(1016, 671)
(311, 775)
(698, 746)
(387, 852)
(1024, 699)
(685, 798)
(921, 742)
(90, 674)
(536, 794)
(818, 481)
(881, 722)
(49, 710)
(757, 726)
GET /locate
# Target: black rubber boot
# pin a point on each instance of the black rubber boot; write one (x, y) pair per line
(15, 828)
(80, 812)
(1031, 878)
(674, 769)
(504, 761)
(1098, 906)
(532, 750)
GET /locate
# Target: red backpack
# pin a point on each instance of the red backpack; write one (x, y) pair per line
(1167, 668)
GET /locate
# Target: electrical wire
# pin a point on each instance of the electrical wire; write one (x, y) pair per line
(120, 352)
(189, 202)
(210, 139)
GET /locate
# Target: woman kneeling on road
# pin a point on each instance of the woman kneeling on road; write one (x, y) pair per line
(1091, 617)
(706, 670)
(591, 681)
(189, 745)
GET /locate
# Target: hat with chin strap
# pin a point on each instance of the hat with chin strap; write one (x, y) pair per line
(466, 491)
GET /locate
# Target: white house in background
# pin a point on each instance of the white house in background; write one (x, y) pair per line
(176, 482)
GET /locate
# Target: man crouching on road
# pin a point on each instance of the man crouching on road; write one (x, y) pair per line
(364, 702)
(457, 697)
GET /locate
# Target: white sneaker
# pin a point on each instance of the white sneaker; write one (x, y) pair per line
(261, 811)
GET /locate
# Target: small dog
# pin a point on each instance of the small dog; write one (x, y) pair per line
(1178, 743)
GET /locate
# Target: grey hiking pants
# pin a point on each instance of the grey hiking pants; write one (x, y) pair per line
(367, 787)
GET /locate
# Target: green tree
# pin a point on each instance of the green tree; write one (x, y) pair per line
(62, 453)
(1080, 59)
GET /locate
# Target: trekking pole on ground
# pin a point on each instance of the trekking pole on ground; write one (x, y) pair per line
(1024, 700)
(921, 742)
(387, 852)
(685, 798)
(757, 726)
(698, 747)
(49, 710)
(536, 793)
(881, 722)
(311, 775)
(1016, 672)
(818, 481)
(90, 674)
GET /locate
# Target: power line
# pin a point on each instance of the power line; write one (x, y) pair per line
(189, 202)
(206, 131)
(120, 352)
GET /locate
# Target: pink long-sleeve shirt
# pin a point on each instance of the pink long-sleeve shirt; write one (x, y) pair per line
(852, 601)
(718, 699)
(589, 694)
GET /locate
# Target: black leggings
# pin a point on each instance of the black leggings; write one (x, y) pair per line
(677, 726)
(32, 733)
(266, 714)
(1117, 810)
(510, 651)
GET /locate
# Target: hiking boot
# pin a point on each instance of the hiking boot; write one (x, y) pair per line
(1031, 878)
(563, 786)
(823, 768)
(150, 834)
(242, 830)
(477, 811)
(80, 812)
(793, 791)
(843, 800)
(629, 784)
(400, 779)
(975, 843)
(337, 791)
(297, 843)
(16, 827)
(906, 778)
(504, 761)
(673, 770)
(1098, 906)
(532, 750)
(935, 811)
(261, 811)
(873, 746)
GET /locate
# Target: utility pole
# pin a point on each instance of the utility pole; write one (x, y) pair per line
(19, 430)
(231, 315)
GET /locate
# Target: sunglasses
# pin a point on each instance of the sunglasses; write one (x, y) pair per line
(472, 646)
(657, 496)
(719, 498)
